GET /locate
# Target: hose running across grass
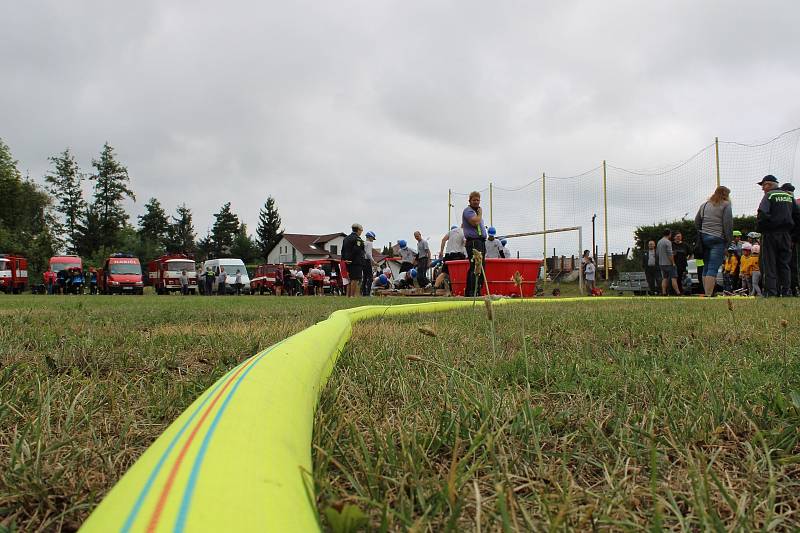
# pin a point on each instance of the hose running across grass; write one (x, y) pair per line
(239, 458)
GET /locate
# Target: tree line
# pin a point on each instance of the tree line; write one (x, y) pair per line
(39, 222)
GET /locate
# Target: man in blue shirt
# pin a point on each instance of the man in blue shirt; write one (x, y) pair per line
(475, 234)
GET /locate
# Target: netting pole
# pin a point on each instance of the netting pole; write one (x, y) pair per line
(491, 222)
(449, 207)
(605, 219)
(544, 223)
(716, 150)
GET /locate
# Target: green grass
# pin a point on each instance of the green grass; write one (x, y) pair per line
(613, 414)
(623, 415)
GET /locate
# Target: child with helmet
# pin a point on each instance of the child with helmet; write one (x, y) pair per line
(494, 250)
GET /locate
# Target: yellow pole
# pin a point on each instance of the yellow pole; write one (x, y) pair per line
(605, 217)
(491, 210)
(544, 226)
(449, 207)
(716, 149)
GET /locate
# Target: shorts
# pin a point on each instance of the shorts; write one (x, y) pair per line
(669, 272)
(355, 273)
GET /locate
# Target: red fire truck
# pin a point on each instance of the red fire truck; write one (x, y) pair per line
(265, 278)
(121, 273)
(164, 273)
(334, 269)
(13, 273)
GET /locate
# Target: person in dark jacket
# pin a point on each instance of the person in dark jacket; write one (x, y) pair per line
(651, 270)
(795, 283)
(776, 217)
(681, 253)
(353, 256)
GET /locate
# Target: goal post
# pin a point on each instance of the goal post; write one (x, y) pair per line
(578, 229)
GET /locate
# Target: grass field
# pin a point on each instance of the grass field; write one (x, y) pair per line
(607, 414)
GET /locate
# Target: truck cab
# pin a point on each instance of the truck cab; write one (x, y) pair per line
(13, 273)
(164, 273)
(121, 274)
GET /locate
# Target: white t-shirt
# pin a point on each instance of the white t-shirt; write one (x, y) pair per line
(506, 252)
(368, 251)
(456, 243)
(589, 270)
(493, 248)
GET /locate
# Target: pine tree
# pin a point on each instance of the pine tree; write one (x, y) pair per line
(111, 187)
(269, 230)
(243, 246)
(181, 233)
(153, 224)
(205, 247)
(65, 186)
(225, 227)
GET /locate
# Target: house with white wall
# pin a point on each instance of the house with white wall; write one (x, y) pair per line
(296, 247)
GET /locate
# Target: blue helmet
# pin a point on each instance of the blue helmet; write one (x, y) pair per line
(383, 279)
(503, 242)
(413, 272)
(371, 234)
(492, 231)
(453, 227)
(401, 243)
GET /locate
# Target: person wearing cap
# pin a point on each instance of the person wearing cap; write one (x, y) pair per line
(354, 258)
(475, 234)
(714, 223)
(494, 250)
(407, 256)
(746, 265)
(453, 246)
(369, 264)
(775, 219)
(795, 283)
(423, 259)
(737, 241)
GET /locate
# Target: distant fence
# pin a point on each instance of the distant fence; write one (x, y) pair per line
(610, 202)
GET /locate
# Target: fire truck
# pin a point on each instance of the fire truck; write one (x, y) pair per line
(265, 278)
(335, 270)
(122, 274)
(164, 273)
(13, 273)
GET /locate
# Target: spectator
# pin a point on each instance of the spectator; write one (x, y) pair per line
(209, 281)
(730, 269)
(686, 284)
(746, 264)
(475, 234)
(300, 282)
(238, 282)
(776, 217)
(681, 253)
(755, 271)
(407, 256)
(794, 282)
(589, 271)
(666, 264)
(714, 222)
(423, 259)
(369, 264)
(737, 242)
(184, 282)
(354, 258)
(650, 265)
(49, 280)
(453, 246)
(222, 277)
(494, 250)
(317, 277)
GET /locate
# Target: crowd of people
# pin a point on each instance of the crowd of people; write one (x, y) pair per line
(764, 263)
(72, 280)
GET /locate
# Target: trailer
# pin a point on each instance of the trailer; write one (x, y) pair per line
(13, 273)
(121, 274)
(164, 273)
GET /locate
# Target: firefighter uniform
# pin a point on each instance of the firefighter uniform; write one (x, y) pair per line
(776, 218)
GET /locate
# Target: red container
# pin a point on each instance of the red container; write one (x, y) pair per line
(499, 274)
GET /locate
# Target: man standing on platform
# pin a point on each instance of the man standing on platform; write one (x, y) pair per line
(475, 233)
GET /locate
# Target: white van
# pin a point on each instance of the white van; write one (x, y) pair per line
(231, 265)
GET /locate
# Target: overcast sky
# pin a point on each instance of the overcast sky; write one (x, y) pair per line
(370, 111)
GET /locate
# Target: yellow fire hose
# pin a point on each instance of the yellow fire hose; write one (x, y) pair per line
(239, 458)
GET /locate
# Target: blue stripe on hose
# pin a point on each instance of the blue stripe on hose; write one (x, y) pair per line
(150, 480)
(183, 513)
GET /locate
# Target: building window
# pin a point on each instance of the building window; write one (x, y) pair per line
(334, 249)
